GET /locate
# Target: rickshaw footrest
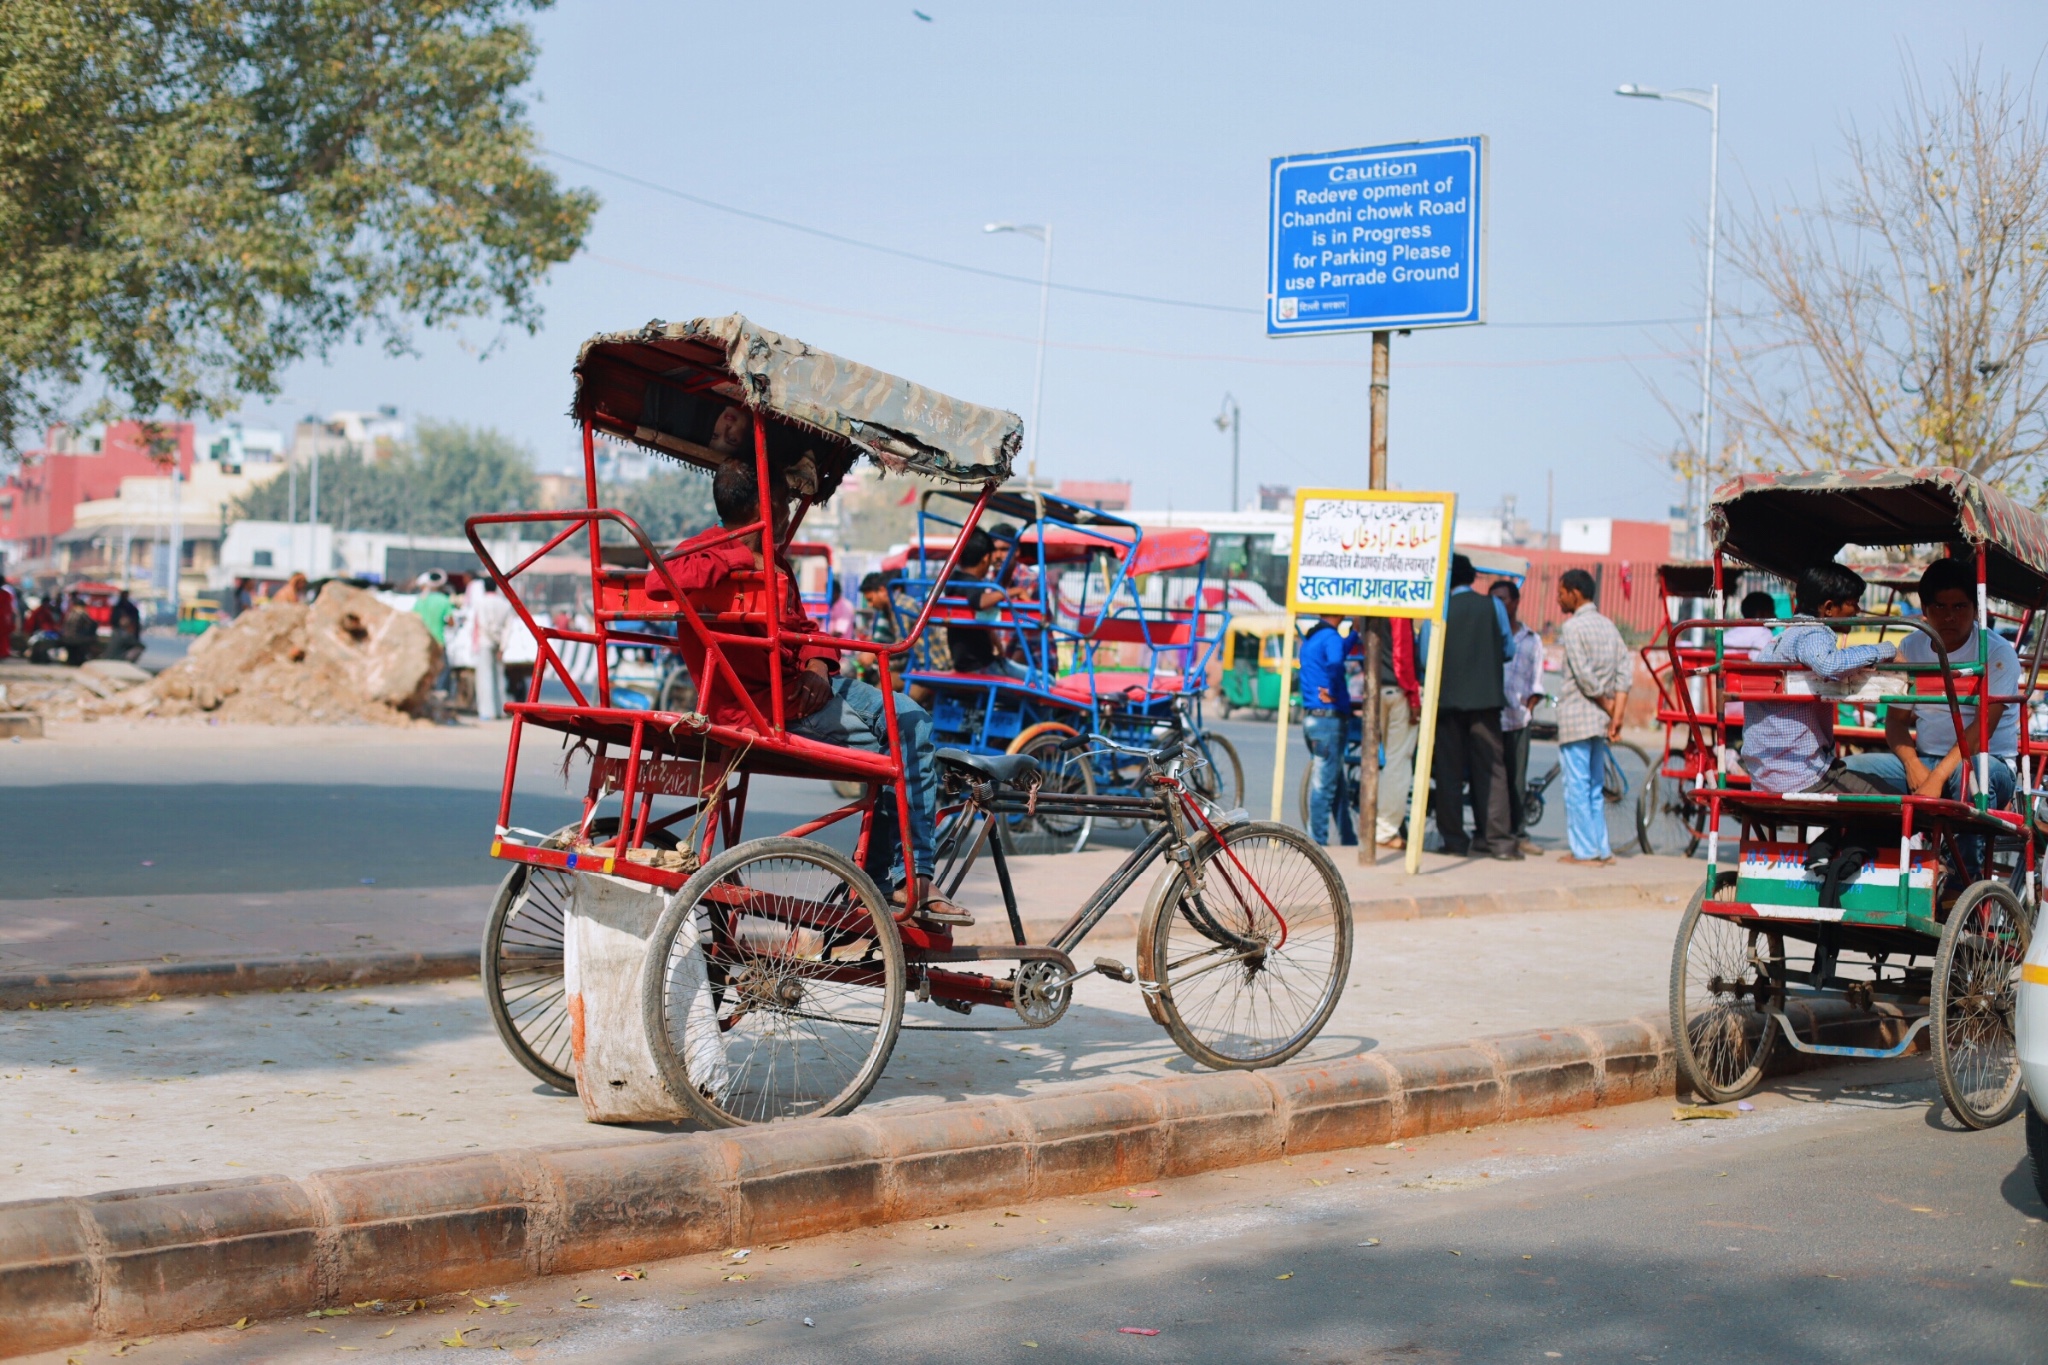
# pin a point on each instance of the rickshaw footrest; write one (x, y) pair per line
(1839, 1050)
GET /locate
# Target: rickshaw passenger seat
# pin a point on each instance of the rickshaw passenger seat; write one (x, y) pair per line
(1005, 770)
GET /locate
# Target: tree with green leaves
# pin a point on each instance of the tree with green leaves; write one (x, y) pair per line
(197, 194)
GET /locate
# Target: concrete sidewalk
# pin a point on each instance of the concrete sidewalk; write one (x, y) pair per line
(114, 1096)
(70, 932)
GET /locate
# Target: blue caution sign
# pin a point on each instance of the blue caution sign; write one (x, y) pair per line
(1378, 238)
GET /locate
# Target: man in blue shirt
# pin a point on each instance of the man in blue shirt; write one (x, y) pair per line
(1329, 722)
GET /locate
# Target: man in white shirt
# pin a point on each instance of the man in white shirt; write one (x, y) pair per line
(1927, 756)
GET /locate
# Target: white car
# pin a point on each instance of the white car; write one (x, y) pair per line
(2030, 1028)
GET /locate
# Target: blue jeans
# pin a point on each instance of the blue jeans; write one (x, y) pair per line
(1328, 737)
(854, 718)
(1889, 771)
(1584, 768)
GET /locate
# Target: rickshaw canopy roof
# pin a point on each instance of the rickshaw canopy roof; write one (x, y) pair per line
(664, 386)
(1786, 523)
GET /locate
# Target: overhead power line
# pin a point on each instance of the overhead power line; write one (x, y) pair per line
(825, 234)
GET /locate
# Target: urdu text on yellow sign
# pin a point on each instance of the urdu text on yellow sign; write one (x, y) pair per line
(1370, 553)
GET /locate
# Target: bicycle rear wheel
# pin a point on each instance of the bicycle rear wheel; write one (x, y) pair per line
(1245, 971)
(522, 959)
(1221, 777)
(773, 987)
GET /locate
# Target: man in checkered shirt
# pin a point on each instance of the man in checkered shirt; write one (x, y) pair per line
(1598, 670)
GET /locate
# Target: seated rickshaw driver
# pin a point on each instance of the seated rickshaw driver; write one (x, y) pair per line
(1927, 756)
(820, 702)
(1788, 743)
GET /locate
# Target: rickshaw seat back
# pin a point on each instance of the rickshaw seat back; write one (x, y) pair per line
(1133, 630)
(1777, 682)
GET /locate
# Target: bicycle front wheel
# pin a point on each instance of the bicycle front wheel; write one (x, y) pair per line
(1245, 951)
(1621, 784)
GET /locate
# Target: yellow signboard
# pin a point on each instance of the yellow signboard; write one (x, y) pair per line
(1370, 552)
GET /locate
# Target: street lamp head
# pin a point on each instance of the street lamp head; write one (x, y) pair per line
(1027, 229)
(1641, 92)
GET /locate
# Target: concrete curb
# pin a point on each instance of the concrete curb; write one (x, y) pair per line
(22, 990)
(187, 1256)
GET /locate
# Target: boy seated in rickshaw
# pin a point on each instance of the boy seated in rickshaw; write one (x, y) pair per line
(975, 648)
(1788, 742)
(820, 701)
(1927, 756)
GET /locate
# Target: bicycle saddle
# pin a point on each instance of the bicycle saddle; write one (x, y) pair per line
(1001, 769)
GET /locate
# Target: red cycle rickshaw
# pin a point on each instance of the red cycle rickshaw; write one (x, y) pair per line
(1930, 926)
(772, 972)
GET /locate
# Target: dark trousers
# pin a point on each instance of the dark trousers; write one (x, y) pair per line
(1517, 742)
(1469, 748)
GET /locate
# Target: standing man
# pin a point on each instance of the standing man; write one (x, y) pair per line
(1470, 697)
(1329, 723)
(1522, 681)
(1400, 703)
(7, 615)
(492, 612)
(1598, 672)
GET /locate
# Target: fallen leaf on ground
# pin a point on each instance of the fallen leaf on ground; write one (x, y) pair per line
(1032, 1344)
(385, 1333)
(241, 1324)
(1139, 1331)
(1370, 1242)
(457, 1340)
(740, 1277)
(1288, 1276)
(1142, 1194)
(1457, 1253)
(1918, 1208)
(1121, 1204)
(1699, 1111)
(630, 1275)
(2030, 1284)
(321, 1330)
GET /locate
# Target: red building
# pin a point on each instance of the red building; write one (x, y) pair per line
(1622, 556)
(38, 500)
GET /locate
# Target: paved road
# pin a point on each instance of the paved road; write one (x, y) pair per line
(1841, 1221)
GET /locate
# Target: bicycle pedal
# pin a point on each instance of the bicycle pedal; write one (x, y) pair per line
(1114, 970)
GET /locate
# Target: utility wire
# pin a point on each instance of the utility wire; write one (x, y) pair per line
(961, 266)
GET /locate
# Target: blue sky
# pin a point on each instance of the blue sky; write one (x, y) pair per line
(1144, 133)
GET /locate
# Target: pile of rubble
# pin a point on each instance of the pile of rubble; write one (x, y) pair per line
(346, 659)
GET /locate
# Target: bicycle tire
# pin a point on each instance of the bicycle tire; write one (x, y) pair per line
(1258, 869)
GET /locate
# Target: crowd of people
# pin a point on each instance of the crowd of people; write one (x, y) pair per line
(65, 626)
(1492, 667)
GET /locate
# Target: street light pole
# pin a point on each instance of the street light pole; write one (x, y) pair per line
(1709, 100)
(1232, 421)
(1043, 232)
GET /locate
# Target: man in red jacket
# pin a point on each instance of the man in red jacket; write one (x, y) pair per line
(819, 701)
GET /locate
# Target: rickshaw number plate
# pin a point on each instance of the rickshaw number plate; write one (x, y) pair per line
(1775, 875)
(662, 776)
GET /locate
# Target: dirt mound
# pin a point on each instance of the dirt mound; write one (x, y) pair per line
(347, 658)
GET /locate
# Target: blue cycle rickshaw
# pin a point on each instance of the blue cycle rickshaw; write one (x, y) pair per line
(1111, 639)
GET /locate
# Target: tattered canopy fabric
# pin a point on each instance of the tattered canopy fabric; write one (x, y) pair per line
(664, 385)
(1784, 523)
